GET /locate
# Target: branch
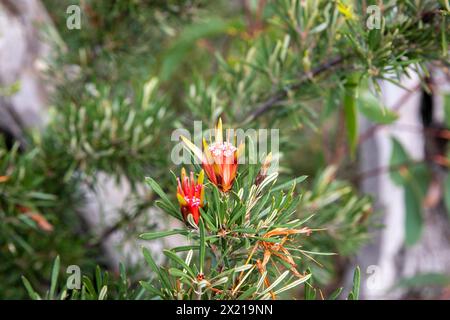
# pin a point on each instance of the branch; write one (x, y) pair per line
(282, 94)
(384, 169)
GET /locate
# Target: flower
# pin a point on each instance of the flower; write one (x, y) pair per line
(190, 195)
(345, 10)
(219, 159)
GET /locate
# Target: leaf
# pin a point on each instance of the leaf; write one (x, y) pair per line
(42, 196)
(413, 219)
(154, 267)
(289, 184)
(447, 194)
(173, 256)
(103, 293)
(98, 278)
(247, 293)
(168, 208)
(165, 200)
(293, 284)
(202, 245)
(162, 234)
(33, 294)
(54, 279)
(399, 157)
(180, 274)
(415, 182)
(310, 291)
(147, 286)
(275, 283)
(336, 294)
(373, 110)
(447, 109)
(354, 294)
(89, 288)
(244, 267)
(444, 31)
(332, 102)
(350, 112)
(424, 279)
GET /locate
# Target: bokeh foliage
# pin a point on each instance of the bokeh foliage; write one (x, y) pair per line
(139, 69)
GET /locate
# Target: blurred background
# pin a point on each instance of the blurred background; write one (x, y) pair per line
(90, 92)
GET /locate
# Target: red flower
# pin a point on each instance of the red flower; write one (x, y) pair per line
(190, 195)
(219, 159)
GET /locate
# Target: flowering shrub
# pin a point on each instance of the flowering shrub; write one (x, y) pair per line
(244, 240)
(138, 70)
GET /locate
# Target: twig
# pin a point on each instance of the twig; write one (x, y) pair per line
(384, 169)
(282, 94)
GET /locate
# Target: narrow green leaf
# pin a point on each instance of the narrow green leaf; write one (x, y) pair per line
(289, 184)
(54, 279)
(413, 219)
(147, 286)
(399, 157)
(148, 257)
(336, 294)
(447, 194)
(350, 112)
(247, 293)
(447, 109)
(354, 294)
(89, 288)
(103, 293)
(424, 279)
(162, 234)
(33, 294)
(180, 274)
(275, 283)
(310, 291)
(166, 201)
(293, 284)
(98, 278)
(173, 256)
(202, 245)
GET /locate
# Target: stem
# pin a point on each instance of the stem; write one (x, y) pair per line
(282, 94)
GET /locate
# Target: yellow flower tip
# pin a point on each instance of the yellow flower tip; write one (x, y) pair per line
(345, 10)
(205, 144)
(201, 177)
(202, 197)
(183, 173)
(181, 200)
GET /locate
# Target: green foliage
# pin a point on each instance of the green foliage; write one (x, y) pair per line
(293, 65)
(112, 134)
(354, 294)
(250, 243)
(414, 178)
(372, 109)
(99, 287)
